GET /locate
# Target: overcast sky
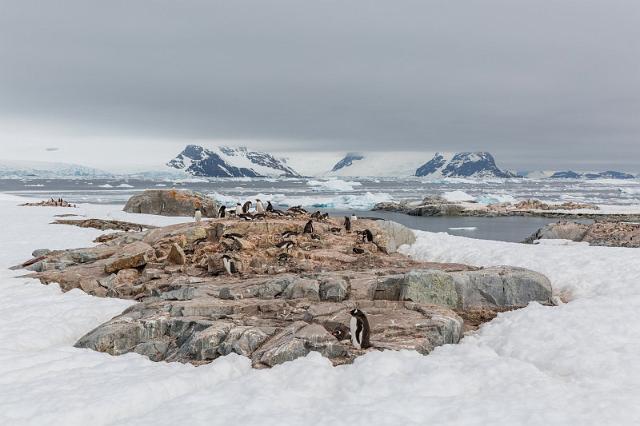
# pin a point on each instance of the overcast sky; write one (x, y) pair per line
(541, 84)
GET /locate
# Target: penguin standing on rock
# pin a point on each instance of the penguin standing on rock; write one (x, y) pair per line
(229, 264)
(347, 224)
(367, 236)
(308, 228)
(259, 206)
(269, 206)
(246, 206)
(198, 216)
(222, 211)
(360, 330)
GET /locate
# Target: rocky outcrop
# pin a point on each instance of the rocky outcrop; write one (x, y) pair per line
(277, 304)
(610, 234)
(103, 224)
(171, 202)
(52, 202)
(438, 206)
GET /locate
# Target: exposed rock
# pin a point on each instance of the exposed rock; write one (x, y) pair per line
(176, 255)
(171, 202)
(132, 256)
(52, 202)
(103, 224)
(610, 234)
(277, 304)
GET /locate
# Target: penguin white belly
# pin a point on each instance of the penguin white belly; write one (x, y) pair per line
(227, 265)
(198, 216)
(259, 208)
(354, 332)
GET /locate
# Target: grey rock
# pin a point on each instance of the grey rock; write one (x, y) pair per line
(40, 252)
(501, 287)
(333, 289)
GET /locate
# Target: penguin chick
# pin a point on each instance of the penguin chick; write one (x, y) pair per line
(359, 327)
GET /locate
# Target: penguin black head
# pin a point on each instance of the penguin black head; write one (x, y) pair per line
(356, 312)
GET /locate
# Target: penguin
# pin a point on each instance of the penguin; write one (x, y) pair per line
(278, 212)
(289, 234)
(335, 230)
(347, 223)
(235, 211)
(308, 228)
(269, 206)
(245, 216)
(358, 250)
(259, 206)
(286, 245)
(317, 215)
(367, 236)
(324, 217)
(222, 211)
(353, 217)
(229, 264)
(246, 206)
(198, 216)
(360, 330)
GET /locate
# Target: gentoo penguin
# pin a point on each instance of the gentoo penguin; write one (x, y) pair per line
(246, 206)
(359, 326)
(317, 215)
(308, 228)
(222, 211)
(198, 216)
(245, 216)
(347, 223)
(286, 245)
(259, 206)
(353, 217)
(236, 211)
(269, 206)
(367, 236)
(229, 264)
(289, 234)
(358, 250)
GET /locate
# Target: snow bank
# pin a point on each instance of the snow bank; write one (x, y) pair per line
(573, 364)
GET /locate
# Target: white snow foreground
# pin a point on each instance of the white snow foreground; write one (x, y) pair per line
(578, 363)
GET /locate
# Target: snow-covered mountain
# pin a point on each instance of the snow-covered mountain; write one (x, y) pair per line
(230, 162)
(462, 164)
(48, 170)
(609, 174)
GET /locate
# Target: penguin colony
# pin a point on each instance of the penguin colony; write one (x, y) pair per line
(359, 329)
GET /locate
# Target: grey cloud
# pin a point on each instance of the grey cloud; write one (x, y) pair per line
(540, 84)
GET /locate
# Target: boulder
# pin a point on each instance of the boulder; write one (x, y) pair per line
(609, 234)
(497, 287)
(176, 255)
(503, 286)
(132, 256)
(171, 202)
